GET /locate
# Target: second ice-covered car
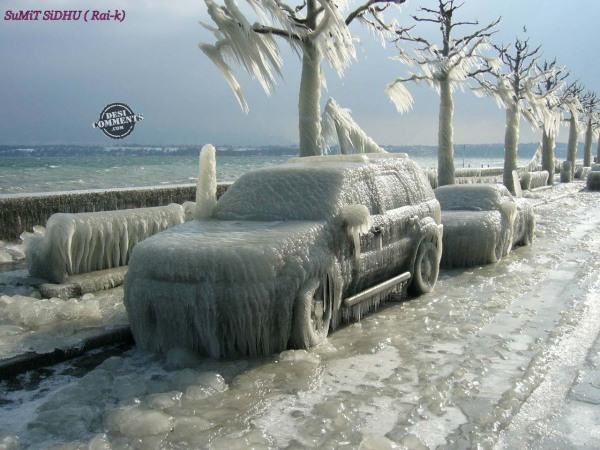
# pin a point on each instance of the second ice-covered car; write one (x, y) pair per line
(290, 252)
(482, 223)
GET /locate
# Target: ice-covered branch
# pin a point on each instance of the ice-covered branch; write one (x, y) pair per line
(316, 30)
(339, 125)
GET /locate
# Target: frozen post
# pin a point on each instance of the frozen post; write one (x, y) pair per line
(206, 187)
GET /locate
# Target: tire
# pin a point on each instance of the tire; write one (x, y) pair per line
(312, 315)
(426, 268)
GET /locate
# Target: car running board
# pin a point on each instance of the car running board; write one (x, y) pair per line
(371, 292)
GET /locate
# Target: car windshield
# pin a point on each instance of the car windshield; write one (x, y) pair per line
(283, 193)
(471, 197)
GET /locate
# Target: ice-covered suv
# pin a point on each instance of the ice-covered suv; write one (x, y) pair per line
(290, 252)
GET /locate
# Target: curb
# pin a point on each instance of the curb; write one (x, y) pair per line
(32, 361)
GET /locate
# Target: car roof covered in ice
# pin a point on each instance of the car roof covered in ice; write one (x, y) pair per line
(316, 188)
(473, 197)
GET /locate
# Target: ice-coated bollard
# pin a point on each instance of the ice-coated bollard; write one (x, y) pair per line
(566, 173)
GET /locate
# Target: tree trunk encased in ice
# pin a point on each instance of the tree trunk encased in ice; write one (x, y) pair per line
(572, 145)
(445, 135)
(598, 153)
(309, 112)
(587, 148)
(511, 140)
(548, 145)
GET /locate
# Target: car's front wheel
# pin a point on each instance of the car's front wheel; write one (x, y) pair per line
(312, 315)
(426, 268)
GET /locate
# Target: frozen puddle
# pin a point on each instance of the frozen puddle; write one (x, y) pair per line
(500, 356)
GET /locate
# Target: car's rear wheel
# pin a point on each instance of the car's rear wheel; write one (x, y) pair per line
(426, 268)
(312, 315)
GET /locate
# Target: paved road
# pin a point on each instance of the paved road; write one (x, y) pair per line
(502, 356)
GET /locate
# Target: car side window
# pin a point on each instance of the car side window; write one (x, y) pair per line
(396, 191)
(362, 192)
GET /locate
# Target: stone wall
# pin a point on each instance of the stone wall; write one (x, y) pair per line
(20, 212)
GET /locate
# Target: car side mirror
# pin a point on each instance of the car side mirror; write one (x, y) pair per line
(356, 219)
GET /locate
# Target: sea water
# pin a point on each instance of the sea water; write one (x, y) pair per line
(62, 168)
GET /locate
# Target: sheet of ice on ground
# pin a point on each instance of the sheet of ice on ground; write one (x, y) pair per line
(449, 369)
(29, 323)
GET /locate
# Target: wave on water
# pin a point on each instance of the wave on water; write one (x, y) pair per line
(48, 168)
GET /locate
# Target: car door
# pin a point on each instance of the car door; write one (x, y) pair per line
(386, 249)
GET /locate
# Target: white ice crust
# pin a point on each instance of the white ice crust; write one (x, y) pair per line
(482, 223)
(84, 242)
(228, 285)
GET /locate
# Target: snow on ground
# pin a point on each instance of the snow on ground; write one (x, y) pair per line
(498, 356)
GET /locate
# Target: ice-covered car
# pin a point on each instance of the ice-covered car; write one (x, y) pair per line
(290, 252)
(482, 223)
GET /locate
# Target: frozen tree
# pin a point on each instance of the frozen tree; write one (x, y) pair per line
(590, 103)
(551, 86)
(444, 68)
(597, 128)
(339, 125)
(513, 87)
(315, 30)
(573, 95)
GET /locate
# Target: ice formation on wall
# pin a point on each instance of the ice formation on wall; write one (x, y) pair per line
(84, 242)
(532, 180)
(581, 172)
(593, 178)
(338, 125)
(230, 285)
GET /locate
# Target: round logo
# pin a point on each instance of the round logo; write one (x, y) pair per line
(117, 120)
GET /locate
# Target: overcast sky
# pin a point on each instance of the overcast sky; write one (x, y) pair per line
(57, 76)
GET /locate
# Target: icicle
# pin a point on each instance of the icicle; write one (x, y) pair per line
(357, 220)
(85, 242)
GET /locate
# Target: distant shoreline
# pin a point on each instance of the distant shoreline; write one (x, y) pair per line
(526, 150)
